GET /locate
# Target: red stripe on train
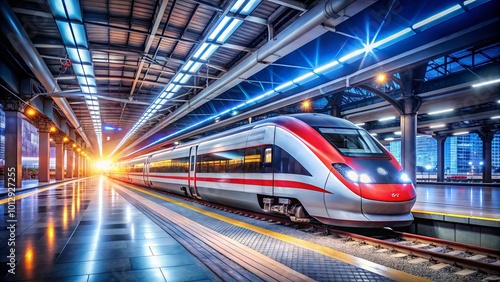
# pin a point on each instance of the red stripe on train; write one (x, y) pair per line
(243, 181)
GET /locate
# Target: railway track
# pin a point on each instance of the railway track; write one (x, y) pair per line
(396, 244)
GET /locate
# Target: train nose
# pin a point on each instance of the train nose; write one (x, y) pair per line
(387, 198)
(371, 204)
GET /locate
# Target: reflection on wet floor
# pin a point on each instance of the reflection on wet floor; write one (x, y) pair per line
(481, 201)
(86, 230)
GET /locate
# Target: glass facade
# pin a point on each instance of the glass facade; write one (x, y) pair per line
(462, 154)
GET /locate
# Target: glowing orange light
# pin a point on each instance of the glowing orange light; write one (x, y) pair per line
(30, 112)
(65, 139)
(29, 256)
(79, 150)
(381, 78)
(52, 129)
(74, 145)
(306, 104)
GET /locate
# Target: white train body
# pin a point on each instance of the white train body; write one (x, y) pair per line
(304, 166)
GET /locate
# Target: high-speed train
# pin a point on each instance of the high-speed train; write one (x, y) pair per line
(305, 166)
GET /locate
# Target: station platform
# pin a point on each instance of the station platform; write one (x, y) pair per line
(459, 212)
(95, 229)
(473, 204)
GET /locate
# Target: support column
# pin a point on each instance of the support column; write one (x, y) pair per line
(69, 161)
(43, 125)
(81, 165)
(335, 102)
(409, 107)
(13, 169)
(84, 166)
(440, 157)
(486, 136)
(409, 145)
(77, 164)
(59, 140)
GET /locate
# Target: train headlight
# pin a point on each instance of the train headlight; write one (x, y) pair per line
(365, 178)
(353, 176)
(348, 173)
(404, 178)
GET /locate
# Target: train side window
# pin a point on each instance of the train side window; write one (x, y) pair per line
(286, 163)
(268, 155)
(252, 159)
(235, 160)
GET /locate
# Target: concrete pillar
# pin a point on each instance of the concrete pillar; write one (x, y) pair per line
(58, 138)
(13, 150)
(84, 166)
(43, 156)
(81, 165)
(335, 103)
(409, 107)
(77, 164)
(409, 145)
(487, 136)
(43, 124)
(69, 161)
(440, 157)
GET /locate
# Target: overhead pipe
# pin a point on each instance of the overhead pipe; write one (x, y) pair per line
(13, 30)
(149, 42)
(267, 54)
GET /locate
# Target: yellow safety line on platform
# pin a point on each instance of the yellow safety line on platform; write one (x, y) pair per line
(457, 215)
(39, 190)
(349, 259)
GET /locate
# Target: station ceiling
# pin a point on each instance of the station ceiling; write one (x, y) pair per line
(133, 76)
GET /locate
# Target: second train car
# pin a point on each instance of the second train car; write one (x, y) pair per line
(305, 166)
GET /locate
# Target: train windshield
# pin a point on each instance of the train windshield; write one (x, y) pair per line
(353, 142)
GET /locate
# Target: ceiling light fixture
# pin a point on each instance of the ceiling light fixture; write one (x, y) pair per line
(387, 118)
(486, 83)
(440, 112)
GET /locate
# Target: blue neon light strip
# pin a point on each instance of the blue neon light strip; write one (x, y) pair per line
(330, 66)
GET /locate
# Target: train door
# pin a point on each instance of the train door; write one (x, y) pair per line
(193, 190)
(258, 167)
(145, 171)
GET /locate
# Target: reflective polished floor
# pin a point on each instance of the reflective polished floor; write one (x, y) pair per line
(459, 199)
(85, 231)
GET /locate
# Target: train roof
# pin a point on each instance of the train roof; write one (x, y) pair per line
(312, 119)
(322, 120)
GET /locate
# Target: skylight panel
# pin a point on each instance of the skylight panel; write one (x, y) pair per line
(237, 6)
(210, 50)
(73, 9)
(219, 27)
(200, 51)
(79, 34)
(185, 78)
(196, 66)
(78, 69)
(187, 65)
(229, 30)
